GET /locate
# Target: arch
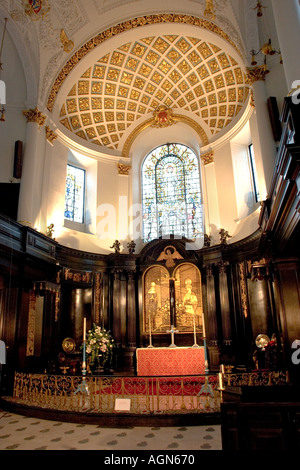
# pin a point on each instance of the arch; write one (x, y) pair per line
(149, 123)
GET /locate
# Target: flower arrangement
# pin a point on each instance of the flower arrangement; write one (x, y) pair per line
(99, 346)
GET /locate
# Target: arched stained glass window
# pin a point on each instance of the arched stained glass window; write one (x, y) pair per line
(171, 194)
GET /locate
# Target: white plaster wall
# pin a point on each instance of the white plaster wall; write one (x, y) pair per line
(228, 210)
(14, 127)
(243, 181)
(54, 185)
(114, 200)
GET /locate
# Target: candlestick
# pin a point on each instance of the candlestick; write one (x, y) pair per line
(83, 386)
(84, 352)
(221, 381)
(84, 329)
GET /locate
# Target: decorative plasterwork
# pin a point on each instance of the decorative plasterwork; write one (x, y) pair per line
(51, 136)
(34, 115)
(139, 77)
(123, 169)
(149, 123)
(125, 26)
(67, 43)
(209, 11)
(36, 9)
(163, 117)
(208, 157)
(256, 74)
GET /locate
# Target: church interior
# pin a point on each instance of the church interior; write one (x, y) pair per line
(150, 214)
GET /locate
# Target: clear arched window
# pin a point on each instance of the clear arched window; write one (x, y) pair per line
(171, 193)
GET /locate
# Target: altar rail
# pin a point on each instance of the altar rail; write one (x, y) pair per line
(255, 378)
(147, 395)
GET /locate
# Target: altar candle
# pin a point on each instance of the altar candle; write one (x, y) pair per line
(84, 329)
(220, 381)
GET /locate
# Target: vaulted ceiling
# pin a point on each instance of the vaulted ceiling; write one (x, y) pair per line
(180, 72)
(102, 67)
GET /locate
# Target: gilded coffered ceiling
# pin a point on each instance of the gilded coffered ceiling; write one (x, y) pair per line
(129, 82)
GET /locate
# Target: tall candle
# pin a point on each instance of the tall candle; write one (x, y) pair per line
(84, 329)
(220, 381)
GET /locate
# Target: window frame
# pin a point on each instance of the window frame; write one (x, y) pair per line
(200, 216)
(253, 172)
(72, 221)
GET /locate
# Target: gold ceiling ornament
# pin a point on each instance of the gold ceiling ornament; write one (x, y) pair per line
(2, 41)
(259, 7)
(123, 169)
(209, 11)
(208, 157)
(36, 9)
(252, 102)
(67, 44)
(163, 117)
(149, 123)
(51, 136)
(126, 26)
(34, 115)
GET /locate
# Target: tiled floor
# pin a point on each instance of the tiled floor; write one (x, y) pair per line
(26, 433)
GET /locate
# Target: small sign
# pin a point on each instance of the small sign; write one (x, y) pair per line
(2, 353)
(122, 404)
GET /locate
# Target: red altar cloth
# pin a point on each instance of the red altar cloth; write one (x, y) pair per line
(170, 361)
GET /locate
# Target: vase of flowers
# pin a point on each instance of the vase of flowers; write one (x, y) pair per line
(99, 348)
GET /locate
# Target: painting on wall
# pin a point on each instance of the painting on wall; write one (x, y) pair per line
(156, 298)
(186, 296)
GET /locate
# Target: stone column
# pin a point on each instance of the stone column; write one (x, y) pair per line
(287, 21)
(32, 171)
(264, 144)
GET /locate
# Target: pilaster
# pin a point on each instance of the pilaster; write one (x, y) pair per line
(32, 171)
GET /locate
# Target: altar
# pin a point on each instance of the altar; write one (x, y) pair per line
(170, 361)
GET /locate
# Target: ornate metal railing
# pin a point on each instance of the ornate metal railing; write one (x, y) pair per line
(110, 394)
(253, 378)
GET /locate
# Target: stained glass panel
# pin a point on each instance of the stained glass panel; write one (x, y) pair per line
(74, 197)
(171, 193)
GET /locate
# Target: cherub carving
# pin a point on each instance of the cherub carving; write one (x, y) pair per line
(169, 254)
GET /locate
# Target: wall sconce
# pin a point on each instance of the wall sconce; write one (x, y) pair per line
(2, 116)
(267, 49)
(259, 8)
